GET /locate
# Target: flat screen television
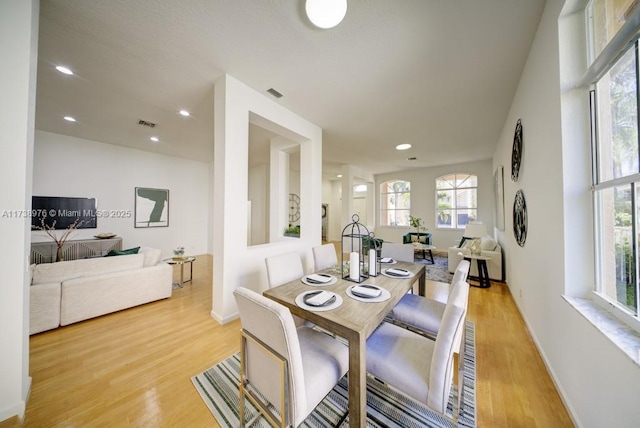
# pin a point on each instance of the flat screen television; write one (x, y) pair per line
(64, 211)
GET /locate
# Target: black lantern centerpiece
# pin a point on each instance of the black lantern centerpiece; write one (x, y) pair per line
(353, 236)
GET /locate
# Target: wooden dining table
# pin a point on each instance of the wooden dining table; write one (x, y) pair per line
(353, 320)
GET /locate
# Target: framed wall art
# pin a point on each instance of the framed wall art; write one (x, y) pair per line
(151, 207)
(498, 180)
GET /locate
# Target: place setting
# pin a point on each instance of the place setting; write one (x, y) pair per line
(318, 300)
(319, 279)
(368, 293)
(387, 261)
(397, 273)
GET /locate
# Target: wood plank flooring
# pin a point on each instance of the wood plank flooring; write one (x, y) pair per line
(133, 368)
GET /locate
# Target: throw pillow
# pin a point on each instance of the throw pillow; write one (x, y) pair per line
(465, 242)
(488, 244)
(151, 256)
(133, 250)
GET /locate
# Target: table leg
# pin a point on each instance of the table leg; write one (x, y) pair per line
(431, 256)
(357, 381)
(483, 274)
(181, 274)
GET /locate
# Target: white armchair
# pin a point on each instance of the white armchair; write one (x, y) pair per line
(489, 247)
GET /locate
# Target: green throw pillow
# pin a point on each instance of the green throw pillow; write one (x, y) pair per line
(133, 250)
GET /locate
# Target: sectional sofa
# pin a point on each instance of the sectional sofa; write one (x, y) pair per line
(67, 292)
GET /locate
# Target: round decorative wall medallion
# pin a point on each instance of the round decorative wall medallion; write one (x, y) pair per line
(520, 218)
(516, 153)
(294, 207)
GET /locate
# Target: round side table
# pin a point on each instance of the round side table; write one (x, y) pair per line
(483, 272)
(182, 261)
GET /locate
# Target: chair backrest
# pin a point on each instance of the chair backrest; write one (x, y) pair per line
(461, 272)
(324, 256)
(441, 371)
(400, 252)
(272, 324)
(283, 268)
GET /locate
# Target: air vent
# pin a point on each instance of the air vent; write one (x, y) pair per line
(412, 158)
(274, 93)
(145, 123)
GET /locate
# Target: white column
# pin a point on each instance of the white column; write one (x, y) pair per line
(18, 44)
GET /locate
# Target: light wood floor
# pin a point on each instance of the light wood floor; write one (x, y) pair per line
(134, 368)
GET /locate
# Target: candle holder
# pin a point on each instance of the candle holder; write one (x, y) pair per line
(351, 243)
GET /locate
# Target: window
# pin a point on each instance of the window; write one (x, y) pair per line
(456, 200)
(395, 203)
(615, 159)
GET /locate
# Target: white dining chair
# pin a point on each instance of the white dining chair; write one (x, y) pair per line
(440, 292)
(399, 252)
(415, 365)
(292, 368)
(324, 256)
(425, 316)
(283, 268)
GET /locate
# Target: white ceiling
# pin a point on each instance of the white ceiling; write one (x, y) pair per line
(438, 74)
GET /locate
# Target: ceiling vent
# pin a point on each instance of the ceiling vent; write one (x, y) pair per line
(274, 93)
(145, 123)
(412, 158)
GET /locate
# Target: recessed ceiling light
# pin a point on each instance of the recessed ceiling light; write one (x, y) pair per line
(70, 119)
(154, 139)
(339, 175)
(184, 113)
(403, 146)
(64, 70)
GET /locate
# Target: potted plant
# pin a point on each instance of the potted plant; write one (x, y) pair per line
(417, 223)
(293, 231)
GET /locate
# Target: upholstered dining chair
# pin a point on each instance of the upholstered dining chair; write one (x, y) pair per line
(292, 368)
(400, 252)
(425, 316)
(283, 268)
(441, 294)
(324, 256)
(415, 365)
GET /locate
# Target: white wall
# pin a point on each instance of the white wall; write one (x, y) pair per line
(18, 44)
(234, 263)
(423, 200)
(68, 166)
(599, 384)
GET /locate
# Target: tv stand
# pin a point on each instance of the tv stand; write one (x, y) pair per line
(45, 252)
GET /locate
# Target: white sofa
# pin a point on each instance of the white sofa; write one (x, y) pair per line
(66, 292)
(489, 248)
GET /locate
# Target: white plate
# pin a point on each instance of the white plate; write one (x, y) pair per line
(384, 272)
(300, 302)
(384, 295)
(323, 284)
(392, 262)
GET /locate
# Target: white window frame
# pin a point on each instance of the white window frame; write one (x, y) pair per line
(384, 194)
(454, 208)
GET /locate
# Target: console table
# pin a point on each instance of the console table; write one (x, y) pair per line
(45, 252)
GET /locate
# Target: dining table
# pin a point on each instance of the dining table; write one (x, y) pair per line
(354, 319)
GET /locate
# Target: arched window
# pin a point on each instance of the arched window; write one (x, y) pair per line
(395, 203)
(456, 200)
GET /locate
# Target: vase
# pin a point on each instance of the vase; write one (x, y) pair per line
(59, 257)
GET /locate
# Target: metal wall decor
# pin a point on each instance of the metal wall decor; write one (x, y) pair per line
(516, 152)
(520, 218)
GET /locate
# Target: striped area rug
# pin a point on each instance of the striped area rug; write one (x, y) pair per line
(218, 387)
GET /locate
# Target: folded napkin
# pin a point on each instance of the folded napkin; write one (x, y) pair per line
(319, 299)
(319, 278)
(386, 260)
(399, 272)
(366, 291)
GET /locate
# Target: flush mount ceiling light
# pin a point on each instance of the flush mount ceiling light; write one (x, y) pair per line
(154, 139)
(326, 13)
(184, 113)
(64, 70)
(70, 119)
(403, 146)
